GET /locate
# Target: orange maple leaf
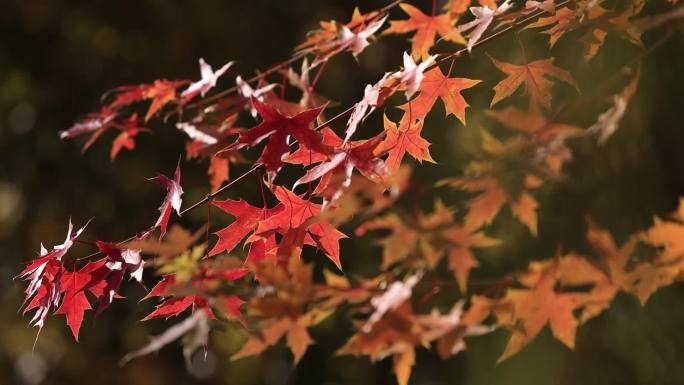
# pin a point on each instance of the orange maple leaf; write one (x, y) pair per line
(534, 76)
(426, 27)
(402, 139)
(162, 92)
(533, 308)
(436, 85)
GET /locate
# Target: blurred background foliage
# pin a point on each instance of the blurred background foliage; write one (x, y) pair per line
(57, 58)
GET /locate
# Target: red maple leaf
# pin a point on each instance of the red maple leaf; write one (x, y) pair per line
(299, 223)
(247, 218)
(277, 127)
(74, 303)
(174, 305)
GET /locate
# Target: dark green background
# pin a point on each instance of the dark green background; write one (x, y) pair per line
(58, 57)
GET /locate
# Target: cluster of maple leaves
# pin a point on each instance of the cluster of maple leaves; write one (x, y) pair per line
(271, 291)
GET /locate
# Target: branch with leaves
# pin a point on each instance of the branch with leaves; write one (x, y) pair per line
(268, 289)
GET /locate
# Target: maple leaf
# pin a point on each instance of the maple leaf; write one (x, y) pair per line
(450, 329)
(320, 38)
(296, 336)
(435, 85)
(357, 41)
(162, 92)
(118, 262)
(402, 139)
(277, 127)
(412, 75)
(545, 5)
(195, 134)
(218, 171)
(336, 173)
(74, 302)
(456, 8)
(126, 95)
(429, 237)
(534, 307)
(366, 198)
(247, 218)
(534, 76)
(94, 124)
(197, 322)
(426, 27)
(173, 244)
(44, 275)
(298, 222)
(310, 98)
(247, 92)
(372, 97)
(125, 139)
(608, 122)
(533, 123)
(282, 312)
(172, 291)
(207, 82)
(483, 18)
(486, 206)
(395, 295)
(345, 38)
(562, 21)
(395, 335)
(172, 201)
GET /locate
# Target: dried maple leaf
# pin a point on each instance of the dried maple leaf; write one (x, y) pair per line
(373, 96)
(172, 201)
(302, 81)
(324, 40)
(483, 18)
(277, 128)
(449, 330)
(609, 121)
(411, 76)
(353, 37)
(249, 93)
(394, 296)
(195, 333)
(426, 27)
(534, 76)
(94, 124)
(207, 82)
(435, 85)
